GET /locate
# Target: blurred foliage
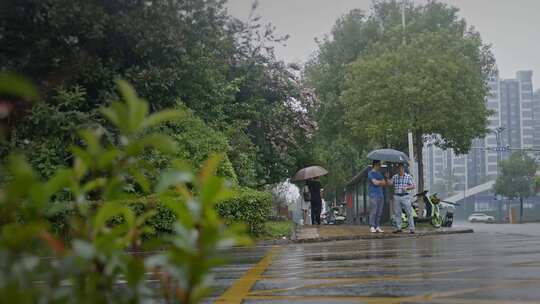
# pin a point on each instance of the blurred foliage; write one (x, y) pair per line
(95, 265)
(14, 85)
(222, 69)
(247, 206)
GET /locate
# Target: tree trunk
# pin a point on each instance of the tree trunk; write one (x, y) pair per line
(521, 209)
(501, 215)
(418, 146)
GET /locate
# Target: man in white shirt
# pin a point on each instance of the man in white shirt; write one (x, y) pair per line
(402, 183)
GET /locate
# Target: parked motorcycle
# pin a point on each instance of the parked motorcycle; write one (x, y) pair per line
(333, 217)
(449, 215)
(432, 211)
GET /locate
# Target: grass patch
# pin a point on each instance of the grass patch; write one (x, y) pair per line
(276, 230)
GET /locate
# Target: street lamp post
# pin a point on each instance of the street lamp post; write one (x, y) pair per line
(498, 133)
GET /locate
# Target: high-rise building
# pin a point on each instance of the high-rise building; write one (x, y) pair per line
(536, 119)
(514, 108)
(443, 170)
(517, 111)
(489, 157)
(526, 118)
(510, 112)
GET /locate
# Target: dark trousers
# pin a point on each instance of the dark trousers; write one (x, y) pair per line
(316, 213)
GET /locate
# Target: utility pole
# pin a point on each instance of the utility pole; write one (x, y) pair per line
(466, 182)
(403, 17)
(409, 134)
(498, 134)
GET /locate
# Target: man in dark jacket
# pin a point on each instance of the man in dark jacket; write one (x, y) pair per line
(315, 199)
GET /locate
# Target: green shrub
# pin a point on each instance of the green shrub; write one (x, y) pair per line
(195, 142)
(86, 266)
(245, 206)
(162, 221)
(49, 128)
(249, 207)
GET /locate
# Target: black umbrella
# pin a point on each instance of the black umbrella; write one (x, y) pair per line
(388, 155)
(308, 173)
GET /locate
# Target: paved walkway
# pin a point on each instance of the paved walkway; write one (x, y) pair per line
(304, 234)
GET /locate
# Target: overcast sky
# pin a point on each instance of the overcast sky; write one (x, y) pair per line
(511, 26)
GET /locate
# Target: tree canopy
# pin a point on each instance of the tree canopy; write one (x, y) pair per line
(429, 77)
(517, 178)
(333, 145)
(175, 53)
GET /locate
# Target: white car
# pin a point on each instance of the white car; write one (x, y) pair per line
(481, 217)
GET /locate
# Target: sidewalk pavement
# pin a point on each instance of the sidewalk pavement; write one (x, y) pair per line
(308, 234)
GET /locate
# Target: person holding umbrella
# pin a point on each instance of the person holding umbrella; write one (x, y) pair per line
(311, 176)
(315, 190)
(376, 182)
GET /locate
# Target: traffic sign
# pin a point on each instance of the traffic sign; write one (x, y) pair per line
(501, 149)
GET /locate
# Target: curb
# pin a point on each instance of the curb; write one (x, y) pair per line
(380, 236)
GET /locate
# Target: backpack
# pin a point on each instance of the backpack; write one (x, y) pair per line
(306, 193)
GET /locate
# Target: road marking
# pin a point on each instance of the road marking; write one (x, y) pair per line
(493, 287)
(241, 287)
(383, 300)
(441, 297)
(325, 299)
(359, 280)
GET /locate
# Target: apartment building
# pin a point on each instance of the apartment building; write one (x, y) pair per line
(516, 109)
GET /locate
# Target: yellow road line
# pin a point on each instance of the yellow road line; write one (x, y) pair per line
(241, 287)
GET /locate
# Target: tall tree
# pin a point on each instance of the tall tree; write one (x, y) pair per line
(361, 36)
(333, 145)
(517, 178)
(433, 85)
(174, 52)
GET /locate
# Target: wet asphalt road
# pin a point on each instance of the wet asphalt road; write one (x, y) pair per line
(496, 264)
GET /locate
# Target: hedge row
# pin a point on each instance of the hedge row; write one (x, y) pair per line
(247, 206)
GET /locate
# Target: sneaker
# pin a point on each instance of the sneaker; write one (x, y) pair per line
(397, 231)
(372, 229)
(411, 232)
(378, 229)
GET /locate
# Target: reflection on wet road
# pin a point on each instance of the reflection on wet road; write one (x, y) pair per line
(493, 265)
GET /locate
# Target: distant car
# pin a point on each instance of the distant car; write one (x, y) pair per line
(481, 217)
